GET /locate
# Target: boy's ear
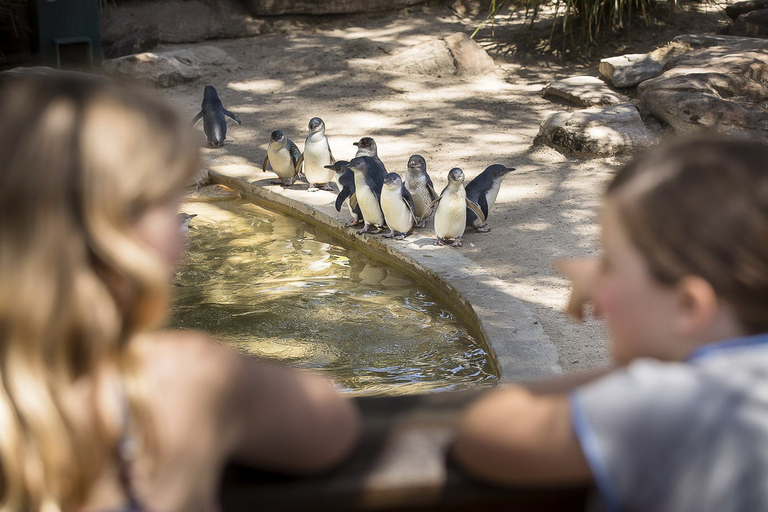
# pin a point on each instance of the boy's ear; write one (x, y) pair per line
(697, 305)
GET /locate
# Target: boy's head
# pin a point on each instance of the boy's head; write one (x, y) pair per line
(685, 231)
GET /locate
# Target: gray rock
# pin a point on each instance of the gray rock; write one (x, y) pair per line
(166, 69)
(278, 7)
(468, 56)
(629, 70)
(599, 131)
(428, 58)
(141, 40)
(583, 91)
(739, 8)
(179, 21)
(753, 24)
(747, 56)
(697, 41)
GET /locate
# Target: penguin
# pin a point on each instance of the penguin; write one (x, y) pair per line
(345, 177)
(369, 180)
(317, 154)
(483, 191)
(451, 213)
(419, 184)
(367, 147)
(184, 219)
(282, 155)
(212, 112)
(397, 206)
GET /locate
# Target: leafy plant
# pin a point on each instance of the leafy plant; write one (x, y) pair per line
(585, 17)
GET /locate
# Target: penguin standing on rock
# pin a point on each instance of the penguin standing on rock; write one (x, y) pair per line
(397, 206)
(483, 191)
(317, 154)
(419, 184)
(282, 156)
(212, 113)
(367, 147)
(369, 180)
(345, 177)
(451, 213)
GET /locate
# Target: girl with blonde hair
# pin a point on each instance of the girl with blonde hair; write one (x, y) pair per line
(100, 410)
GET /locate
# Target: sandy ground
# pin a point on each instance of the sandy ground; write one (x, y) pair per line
(547, 209)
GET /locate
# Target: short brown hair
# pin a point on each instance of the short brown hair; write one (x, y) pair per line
(700, 207)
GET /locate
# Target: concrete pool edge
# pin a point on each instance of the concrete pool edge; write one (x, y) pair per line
(505, 325)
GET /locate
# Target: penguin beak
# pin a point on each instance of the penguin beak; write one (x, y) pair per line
(355, 143)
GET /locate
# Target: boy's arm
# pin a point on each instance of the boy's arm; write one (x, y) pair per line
(513, 436)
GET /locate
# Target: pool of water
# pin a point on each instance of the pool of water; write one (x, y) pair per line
(281, 289)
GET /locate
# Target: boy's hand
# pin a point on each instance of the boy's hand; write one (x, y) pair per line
(583, 273)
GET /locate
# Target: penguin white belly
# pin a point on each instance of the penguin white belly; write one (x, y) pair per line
(451, 216)
(421, 197)
(368, 203)
(316, 157)
(281, 163)
(396, 212)
(490, 196)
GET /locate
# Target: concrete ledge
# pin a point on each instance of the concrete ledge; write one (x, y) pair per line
(486, 304)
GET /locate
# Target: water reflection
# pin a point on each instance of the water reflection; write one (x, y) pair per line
(280, 289)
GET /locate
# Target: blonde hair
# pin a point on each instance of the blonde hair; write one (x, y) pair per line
(700, 207)
(81, 159)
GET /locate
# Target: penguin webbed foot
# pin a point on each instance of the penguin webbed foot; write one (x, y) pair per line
(399, 236)
(278, 181)
(391, 234)
(482, 228)
(327, 187)
(352, 223)
(422, 224)
(364, 230)
(456, 243)
(312, 188)
(439, 241)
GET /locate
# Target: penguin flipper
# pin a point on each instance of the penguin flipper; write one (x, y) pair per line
(483, 204)
(295, 154)
(430, 205)
(408, 198)
(345, 193)
(298, 164)
(197, 118)
(353, 201)
(232, 115)
(476, 210)
(333, 160)
(431, 188)
(266, 162)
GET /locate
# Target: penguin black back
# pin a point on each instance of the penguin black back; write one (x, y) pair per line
(483, 189)
(212, 112)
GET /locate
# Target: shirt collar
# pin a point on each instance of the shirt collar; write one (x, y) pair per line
(729, 344)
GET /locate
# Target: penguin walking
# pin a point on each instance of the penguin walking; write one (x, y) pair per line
(419, 184)
(282, 156)
(212, 113)
(367, 147)
(397, 206)
(483, 191)
(451, 213)
(345, 178)
(317, 154)
(369, 180)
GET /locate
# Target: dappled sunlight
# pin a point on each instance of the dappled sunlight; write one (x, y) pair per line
(260, 86)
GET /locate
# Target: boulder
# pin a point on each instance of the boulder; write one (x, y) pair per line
(582, 91)
(141, 40)
(745, 56)
(166, 69)
(629, 70)
(279, 7)
(739, 8)
(468, 56)
(599, 131)
(753, 24)
(201, 20)
(428, 58)
(697, 41)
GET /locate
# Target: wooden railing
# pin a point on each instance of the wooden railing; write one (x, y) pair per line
(401, 464)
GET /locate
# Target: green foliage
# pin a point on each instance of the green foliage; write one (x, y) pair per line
(581, 18)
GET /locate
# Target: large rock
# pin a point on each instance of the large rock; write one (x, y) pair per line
(629, 70)
(753, 24)
(600, 131)
(166, 69)
(179, 21)
(428, 58)
(468, 56)
(583, 91)
(278, 7)
(697, 41)
(705, 102)
(739, 8)
(739, 56)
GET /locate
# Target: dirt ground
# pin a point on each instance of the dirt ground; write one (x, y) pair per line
(547, 209)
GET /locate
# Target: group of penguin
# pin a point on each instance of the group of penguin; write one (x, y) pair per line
(372, 195)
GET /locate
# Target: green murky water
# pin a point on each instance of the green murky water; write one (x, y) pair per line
(281, 289)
